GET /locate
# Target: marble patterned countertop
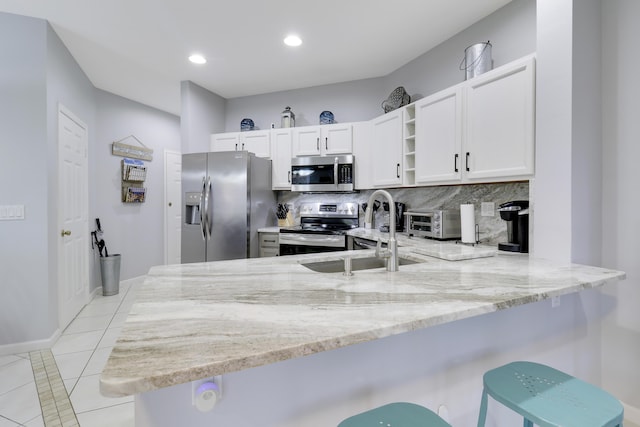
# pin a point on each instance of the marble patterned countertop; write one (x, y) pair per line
(194, 321)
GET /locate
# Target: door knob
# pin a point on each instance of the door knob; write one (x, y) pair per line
(65, 233)
(170, 204)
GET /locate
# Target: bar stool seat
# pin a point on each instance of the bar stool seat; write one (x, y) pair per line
(547, 397)
(398, 414)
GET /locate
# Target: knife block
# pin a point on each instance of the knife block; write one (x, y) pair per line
(286, 222)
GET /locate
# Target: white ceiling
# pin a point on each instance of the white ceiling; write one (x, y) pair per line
(139, 48)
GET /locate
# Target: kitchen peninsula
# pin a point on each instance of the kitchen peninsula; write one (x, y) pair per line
(365, 338)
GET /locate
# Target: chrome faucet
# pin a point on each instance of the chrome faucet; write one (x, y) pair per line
(391, 253)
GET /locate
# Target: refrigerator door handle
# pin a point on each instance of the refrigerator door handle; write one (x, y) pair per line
(206, 204)
(201, 209)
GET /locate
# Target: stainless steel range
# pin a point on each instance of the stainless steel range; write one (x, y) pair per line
(323, 228)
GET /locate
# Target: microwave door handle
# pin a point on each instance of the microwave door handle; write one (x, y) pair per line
(201, 209)
(335, 171)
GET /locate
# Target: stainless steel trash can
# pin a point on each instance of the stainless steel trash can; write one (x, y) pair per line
(110, 272)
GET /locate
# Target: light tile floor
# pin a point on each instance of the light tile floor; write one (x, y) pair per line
(80, 354)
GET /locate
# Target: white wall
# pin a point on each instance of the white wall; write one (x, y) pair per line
(349, 102)
(511, 30)
(621, 187)
(25, 311)
(69, 86)
(551, 189)
(202, 113)
(134, 230)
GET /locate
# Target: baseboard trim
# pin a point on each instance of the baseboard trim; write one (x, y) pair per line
(27, 346)
(631, 413)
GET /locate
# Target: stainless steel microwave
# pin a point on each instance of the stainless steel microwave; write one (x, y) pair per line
(322, 173)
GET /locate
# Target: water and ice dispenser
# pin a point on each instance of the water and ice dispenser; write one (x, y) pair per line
(192, 208)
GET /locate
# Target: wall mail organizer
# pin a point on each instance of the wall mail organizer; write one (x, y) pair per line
(134, 172)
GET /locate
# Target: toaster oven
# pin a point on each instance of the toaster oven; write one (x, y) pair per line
(435, 224)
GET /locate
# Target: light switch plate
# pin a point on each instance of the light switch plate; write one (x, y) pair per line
(11, 212)
(487, 209)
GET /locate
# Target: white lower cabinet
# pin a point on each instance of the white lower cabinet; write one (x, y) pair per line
(281, 141)
(386, 149)
(269, 244)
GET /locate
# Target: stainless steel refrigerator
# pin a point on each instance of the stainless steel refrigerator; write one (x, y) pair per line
(226, 197)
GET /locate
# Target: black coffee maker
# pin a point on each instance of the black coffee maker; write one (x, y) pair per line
(516, 213)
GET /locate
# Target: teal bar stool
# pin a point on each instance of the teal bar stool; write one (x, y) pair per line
(399, 414)
(548, 398)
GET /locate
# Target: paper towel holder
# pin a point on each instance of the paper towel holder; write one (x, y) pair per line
(477, 242)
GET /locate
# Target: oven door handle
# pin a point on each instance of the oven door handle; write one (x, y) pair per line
(321, 240)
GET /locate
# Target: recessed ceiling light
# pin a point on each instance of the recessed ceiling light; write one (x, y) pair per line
(198, 59)
(292, 40)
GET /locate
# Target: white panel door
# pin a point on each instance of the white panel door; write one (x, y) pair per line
(73, 231)
(173, 207)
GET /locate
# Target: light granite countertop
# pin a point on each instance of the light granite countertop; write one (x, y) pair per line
(194, 321)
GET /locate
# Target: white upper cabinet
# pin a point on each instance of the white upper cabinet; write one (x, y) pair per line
(257, 142)
(481, 130)
(499, 120)
(281, 141)
(439, 137)
(323, 140)
(225, 141)
(386, 149)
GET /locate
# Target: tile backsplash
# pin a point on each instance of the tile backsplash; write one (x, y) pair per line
(492, 228)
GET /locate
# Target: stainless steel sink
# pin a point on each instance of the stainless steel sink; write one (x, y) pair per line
(337, 266)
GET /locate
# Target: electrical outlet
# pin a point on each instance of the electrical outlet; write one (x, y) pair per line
(487, 209)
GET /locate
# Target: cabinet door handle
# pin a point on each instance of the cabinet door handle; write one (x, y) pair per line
(398, 170)
(467, 161)
(326, 142)
(236, 146)
(289, 177)
(455, 163)
(318, 144)
(243, 146)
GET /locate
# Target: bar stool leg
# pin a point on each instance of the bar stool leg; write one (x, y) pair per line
(483, 409)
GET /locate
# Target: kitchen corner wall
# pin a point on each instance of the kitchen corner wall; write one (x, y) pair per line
(492, 229)
(202, 113)
(134, 230)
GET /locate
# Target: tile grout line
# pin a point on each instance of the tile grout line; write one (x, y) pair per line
(55, 404)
